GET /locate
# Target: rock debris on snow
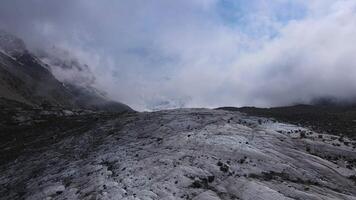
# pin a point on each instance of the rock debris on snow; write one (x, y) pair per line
(198, 154)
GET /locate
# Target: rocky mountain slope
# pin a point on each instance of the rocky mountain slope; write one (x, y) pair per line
(179, 154)
(27, 79)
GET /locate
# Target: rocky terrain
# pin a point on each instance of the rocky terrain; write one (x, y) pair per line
(178, 154)
(336, 119)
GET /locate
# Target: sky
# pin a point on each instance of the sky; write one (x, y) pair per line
(157, 54)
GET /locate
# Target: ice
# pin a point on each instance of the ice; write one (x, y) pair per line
(186, 154)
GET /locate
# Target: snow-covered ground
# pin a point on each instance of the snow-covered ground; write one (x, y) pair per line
(198, 154)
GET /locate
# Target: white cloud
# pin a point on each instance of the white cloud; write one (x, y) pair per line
(311, 58)
(278, 52)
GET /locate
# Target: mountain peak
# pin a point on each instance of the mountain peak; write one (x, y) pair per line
(11, 44)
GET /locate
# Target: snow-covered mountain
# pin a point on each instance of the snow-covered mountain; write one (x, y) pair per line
(198, 154)
(27, 78)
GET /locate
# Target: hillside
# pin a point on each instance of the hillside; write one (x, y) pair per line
(26, 79)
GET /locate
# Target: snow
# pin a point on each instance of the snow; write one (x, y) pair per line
(185, 154)
(208, 195)
(6, 54)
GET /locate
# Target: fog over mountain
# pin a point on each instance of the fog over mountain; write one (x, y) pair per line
(199, 53)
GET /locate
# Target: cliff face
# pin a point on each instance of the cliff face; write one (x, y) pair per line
(181, 154)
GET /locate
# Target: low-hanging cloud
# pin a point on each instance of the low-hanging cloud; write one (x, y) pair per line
(200, 53)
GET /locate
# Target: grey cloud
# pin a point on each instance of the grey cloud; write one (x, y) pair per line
(176, 53)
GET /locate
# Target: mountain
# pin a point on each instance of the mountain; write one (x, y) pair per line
(58, 141)
(25, 78)
(197, 154)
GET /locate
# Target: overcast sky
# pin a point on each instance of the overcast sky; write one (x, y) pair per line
(200, 53)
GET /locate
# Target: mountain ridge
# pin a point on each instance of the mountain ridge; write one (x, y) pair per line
(27, 79)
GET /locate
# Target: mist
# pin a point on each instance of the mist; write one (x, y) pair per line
(200, 53)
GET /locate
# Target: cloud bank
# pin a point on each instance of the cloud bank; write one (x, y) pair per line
(200, 53)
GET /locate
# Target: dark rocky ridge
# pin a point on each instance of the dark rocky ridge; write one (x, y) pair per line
(25, 130)
(336, 119)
